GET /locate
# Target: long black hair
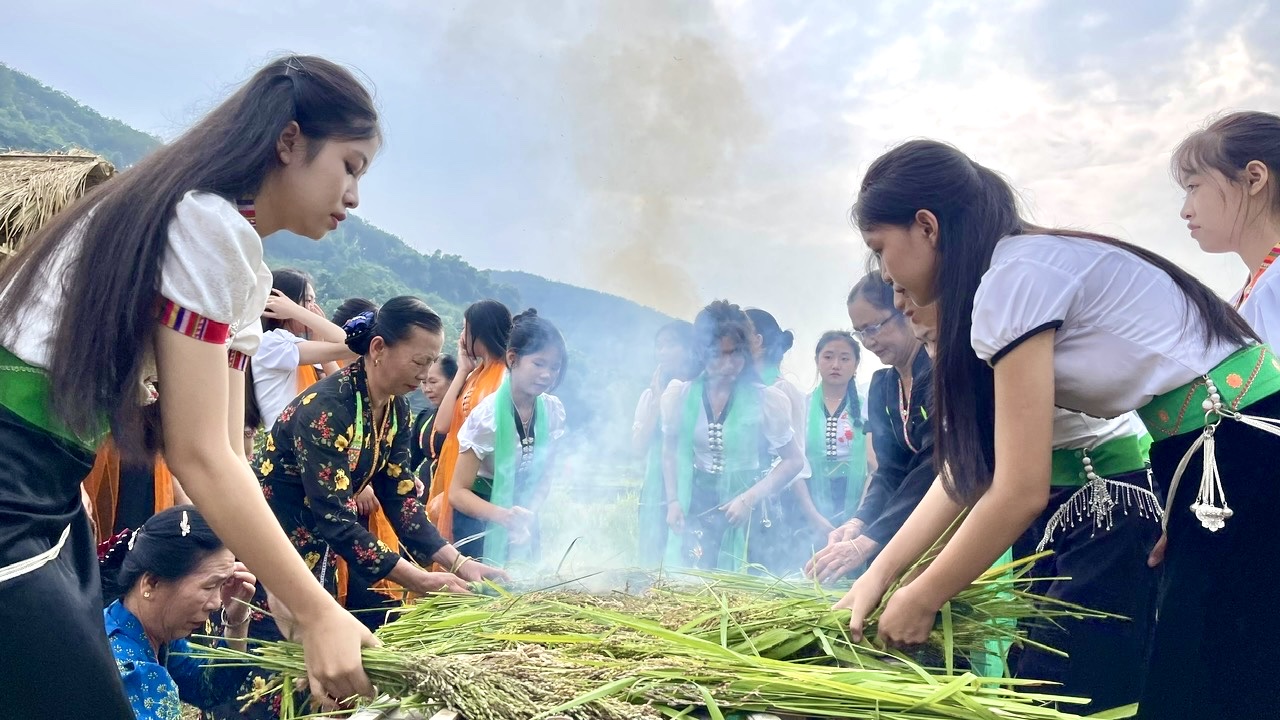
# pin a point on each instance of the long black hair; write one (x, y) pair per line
(775, 342)
(120, 234)
(350, 308)
(851, 391)
(975, 209)
(532, 333)
(169, 545)
(392, 322)
(489, 324)
(717, 321)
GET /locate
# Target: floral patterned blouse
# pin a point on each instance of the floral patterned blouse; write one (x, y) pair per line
(157, 686)
(324, 450)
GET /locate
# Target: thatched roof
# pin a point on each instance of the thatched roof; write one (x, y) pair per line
(34, 187)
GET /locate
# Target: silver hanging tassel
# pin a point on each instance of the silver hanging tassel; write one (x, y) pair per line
(1097, 502)
(1211, 507)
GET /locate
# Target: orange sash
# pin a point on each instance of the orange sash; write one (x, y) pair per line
(103, 485)
(307, 376)
(379, 525)
(481, 384)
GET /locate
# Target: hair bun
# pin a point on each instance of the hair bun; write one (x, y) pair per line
(359, 331)
(526, 315)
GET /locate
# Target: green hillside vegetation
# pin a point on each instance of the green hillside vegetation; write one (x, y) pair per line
(610, 339)
(36, 117)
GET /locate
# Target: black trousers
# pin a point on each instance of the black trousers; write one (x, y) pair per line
(1215, 643)
(1108, 572)
(54, 658)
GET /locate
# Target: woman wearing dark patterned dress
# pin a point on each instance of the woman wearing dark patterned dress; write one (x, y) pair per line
(354, 430)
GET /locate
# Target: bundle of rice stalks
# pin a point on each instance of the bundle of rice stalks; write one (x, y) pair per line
(711, 643)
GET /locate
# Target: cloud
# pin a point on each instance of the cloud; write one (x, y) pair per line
(676, 152)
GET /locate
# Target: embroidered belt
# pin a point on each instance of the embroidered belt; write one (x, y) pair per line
(1244, 378)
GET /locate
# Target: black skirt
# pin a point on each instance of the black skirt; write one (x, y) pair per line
(1216, 635)
(1107, 571)
(55, 661)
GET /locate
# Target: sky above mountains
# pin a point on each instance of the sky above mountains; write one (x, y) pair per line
(677, 152)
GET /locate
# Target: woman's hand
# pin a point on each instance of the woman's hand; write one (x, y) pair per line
(516, 518)
(1156, 558)
(848, 531)
(281, 307)
(466, 363)
(236, 592)
(437, 582)
(738, 510)
(476, 571)
(908, 618)
(862, 599)
(331, 643)
(675, 517)
(366, 501)
(838, 560)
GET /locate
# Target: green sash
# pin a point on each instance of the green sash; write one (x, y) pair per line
(741, 454)
(25, 391)
(1113, 457)
(853, 470)
(506, 464)
(653, 509)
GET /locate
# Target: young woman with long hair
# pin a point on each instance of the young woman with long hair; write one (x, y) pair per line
(1030, 319)
(146, 283)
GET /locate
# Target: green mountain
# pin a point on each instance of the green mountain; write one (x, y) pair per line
(609, 338)
(36, 117)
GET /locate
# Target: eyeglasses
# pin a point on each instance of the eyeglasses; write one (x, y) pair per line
(872, 330)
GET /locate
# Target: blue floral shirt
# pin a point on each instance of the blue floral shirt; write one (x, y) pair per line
(158, 686)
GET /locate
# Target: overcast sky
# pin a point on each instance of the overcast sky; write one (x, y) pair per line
(676, 152)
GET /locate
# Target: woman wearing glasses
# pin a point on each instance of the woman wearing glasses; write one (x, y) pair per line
(901, 431)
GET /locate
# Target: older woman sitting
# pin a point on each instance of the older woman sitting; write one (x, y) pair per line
(163, 581)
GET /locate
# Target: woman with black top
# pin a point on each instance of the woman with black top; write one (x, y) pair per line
(898, 417)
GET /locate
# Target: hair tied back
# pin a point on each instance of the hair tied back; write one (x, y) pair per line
(361, 325)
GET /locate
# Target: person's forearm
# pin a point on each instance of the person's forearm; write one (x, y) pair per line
(782, 473)
(322, 329)
(444, 414)
(464, 500)
(230, 499)
(236, 636)
(991, 528)
(932, 517)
